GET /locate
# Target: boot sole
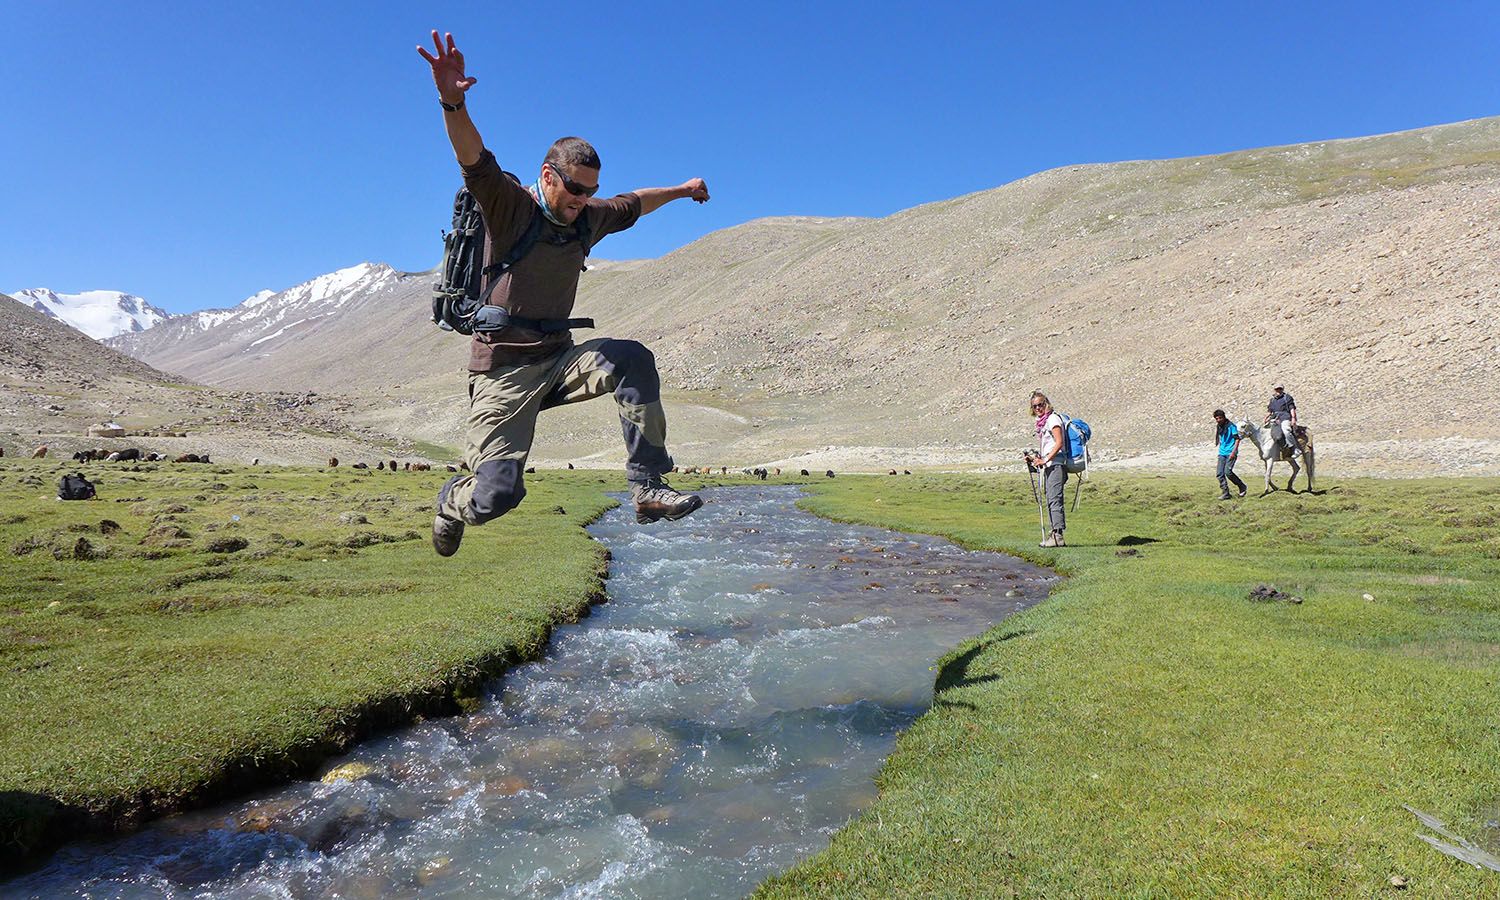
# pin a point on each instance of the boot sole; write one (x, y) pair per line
(438, 546)
(642, 518)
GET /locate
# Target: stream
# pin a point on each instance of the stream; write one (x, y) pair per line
(711, 725)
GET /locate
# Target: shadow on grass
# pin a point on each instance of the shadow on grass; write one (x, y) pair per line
(29, 823)
(1135, 540)
(955, 672)
(1294, 493)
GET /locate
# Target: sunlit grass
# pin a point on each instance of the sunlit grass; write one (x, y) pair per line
(1149, 731)
(199, 627)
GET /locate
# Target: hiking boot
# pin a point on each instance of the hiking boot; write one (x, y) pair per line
(658, 500)
(1225, 496)
(1055, 539)
(446, 534)
(1242, 492)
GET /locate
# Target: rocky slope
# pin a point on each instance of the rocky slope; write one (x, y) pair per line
(55, 382)
(1140, 295)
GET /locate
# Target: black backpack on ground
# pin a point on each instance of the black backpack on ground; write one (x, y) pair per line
(75, 487)
(459, 297)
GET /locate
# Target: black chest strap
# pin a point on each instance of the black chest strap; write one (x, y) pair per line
(493, 318)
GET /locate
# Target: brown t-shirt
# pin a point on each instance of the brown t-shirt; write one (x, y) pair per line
(544, 284)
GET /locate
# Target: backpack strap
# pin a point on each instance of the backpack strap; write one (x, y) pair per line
(515, 254)
(493, 318)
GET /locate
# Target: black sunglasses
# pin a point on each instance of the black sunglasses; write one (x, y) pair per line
(571, 186)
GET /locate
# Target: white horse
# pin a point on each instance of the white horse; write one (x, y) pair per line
(1271, 450)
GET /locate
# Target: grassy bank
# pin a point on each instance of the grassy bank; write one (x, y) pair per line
(1150, 731)
(201, 629)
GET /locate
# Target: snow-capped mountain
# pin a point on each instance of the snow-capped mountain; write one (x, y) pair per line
(268, 330)
(98, 314)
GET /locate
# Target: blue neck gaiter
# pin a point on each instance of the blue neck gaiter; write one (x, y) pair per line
(541, 200)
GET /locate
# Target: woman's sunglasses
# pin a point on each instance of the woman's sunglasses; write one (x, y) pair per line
(571, 186)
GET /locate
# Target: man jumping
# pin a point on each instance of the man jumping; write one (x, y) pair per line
(532, 364)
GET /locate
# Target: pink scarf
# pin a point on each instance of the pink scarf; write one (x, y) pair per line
(1041, 424)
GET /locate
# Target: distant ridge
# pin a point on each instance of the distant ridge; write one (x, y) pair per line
(98, 314)
(225, 342)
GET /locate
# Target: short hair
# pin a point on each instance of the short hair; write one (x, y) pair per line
(1218, 413)
(572, 151)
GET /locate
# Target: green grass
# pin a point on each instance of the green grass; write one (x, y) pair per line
(142, 670)
(1148, 731)
(435, 451)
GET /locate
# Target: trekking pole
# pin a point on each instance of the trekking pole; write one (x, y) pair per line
(1031, 475)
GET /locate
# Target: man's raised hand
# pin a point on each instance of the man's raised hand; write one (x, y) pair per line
(447, 69)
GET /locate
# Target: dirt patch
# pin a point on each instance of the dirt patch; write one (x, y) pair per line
(203, 603)
(1455, 650)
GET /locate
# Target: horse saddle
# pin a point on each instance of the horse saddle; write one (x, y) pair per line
(1303, 442)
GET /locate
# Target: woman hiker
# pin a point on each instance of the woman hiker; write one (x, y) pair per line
(1049, 433)
(1228, 438)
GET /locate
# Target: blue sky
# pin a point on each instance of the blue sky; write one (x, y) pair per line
(196, 153)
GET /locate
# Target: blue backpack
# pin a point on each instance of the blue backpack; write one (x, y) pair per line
(1077, 433)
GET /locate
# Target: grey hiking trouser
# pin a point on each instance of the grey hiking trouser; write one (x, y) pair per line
(1226, 474)
(1288, 438)
(503, 406)
(1053, 479)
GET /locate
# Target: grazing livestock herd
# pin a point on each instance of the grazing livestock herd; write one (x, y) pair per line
(133, 454)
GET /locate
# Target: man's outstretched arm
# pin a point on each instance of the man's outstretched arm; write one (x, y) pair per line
(653, 199)
(452, 84)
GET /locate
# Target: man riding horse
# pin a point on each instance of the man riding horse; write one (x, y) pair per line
(1281, 413)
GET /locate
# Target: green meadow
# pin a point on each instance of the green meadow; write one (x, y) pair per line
(197, 630)
(1149, 730)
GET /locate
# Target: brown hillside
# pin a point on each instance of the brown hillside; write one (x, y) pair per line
(56, 381)
(36, 346)
(1362, 273)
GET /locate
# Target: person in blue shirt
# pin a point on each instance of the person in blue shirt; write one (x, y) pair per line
(1228, 438)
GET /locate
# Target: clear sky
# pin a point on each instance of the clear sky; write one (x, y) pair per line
(195, 153)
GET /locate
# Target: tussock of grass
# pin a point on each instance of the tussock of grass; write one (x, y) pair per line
(152, 672)
(1149, 731)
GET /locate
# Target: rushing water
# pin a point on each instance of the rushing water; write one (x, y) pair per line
(712, 724)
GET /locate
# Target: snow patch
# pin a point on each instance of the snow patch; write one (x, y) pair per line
(98, 314)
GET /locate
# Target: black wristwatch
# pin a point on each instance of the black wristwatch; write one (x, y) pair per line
(450, 107)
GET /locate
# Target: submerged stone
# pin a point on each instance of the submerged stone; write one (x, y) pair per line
(352, 771)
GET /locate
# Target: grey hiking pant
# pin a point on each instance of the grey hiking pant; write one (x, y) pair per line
(503, 406)
(1288, 438)
(1226, 474)
(1053, 480)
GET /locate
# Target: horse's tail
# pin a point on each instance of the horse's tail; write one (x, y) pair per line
(1311, 456)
